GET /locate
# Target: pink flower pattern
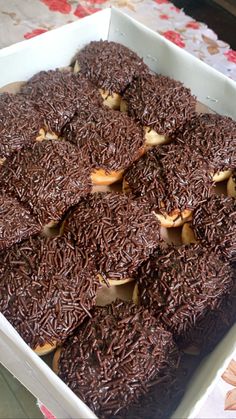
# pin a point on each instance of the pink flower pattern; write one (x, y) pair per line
(174, 37)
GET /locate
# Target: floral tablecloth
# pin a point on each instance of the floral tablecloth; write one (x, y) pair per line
(23, 19)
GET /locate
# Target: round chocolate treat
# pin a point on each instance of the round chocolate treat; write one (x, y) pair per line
(214, 224)
(115, 357)
(47, 289)
(169, 178)
(212, 327)
(181, 285)
(20, 123)
(57, 94)
(49, 177)
(109, 65)
(16, 222)
(118, 232)
(112, 139)
(159, 103)
(214, 138)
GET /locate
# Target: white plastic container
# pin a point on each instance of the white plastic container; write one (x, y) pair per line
(55, 49)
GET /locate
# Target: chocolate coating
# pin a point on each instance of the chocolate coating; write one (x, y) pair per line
(118, 232)
(57, 94)
(169, 178)
(115, 357)
(111, 139)
(20, 123)
(16, 222)
(214, 138)
(182, 285)
(160, 103)
(214, 224)
(110, 65)
(211, 328)
(49, 177)
(47, 289)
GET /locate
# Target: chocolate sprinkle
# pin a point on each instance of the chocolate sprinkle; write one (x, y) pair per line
(110, 65)
(214, 224)
(49, 177)
(116, 357)
(182, 285)
(212, 327)
(116, 231)
(214, 138)
(160, 103)
(112, 139)
(20, 123)
(57, 94)
(169, 178)
(16, 222)
(47, 289)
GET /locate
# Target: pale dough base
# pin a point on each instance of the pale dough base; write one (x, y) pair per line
(112, 101)
(55, 361)
(152, 138)
(115, 282)
(187, 234)
(231, 187)
(45, 349)
(221, 176)
(174, 219)
(101, 177)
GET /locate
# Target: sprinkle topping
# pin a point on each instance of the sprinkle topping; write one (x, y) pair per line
(160, 103)
(110, 65)
(49, 178)
(116, 231)
(111, 361)
(47, 289)
(110, 138)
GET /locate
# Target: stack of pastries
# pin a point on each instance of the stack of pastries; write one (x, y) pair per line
(99, 162)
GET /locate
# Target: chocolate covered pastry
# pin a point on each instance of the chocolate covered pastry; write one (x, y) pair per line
(213, 137)
(214, 224)
(111, 139)
(116, 231)
(116, 357)
(160, 104)
(180, 286)
(56, 95)
(16, 222)
(49, 177)
(20, 123)
(111, 67)
(47, 289)
(171, 181)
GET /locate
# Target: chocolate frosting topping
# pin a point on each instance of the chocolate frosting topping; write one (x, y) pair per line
(170, 178)
(160, 103)
(118, 232)
(49, 177)
(57, 94)
(115, 357)
(214, 224)
(47, 289)
(181, 285)
(111, 139)
(110, 65)
(20, 123)
(213, 137)
(16, 222)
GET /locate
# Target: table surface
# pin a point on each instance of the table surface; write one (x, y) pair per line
(27, 18)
